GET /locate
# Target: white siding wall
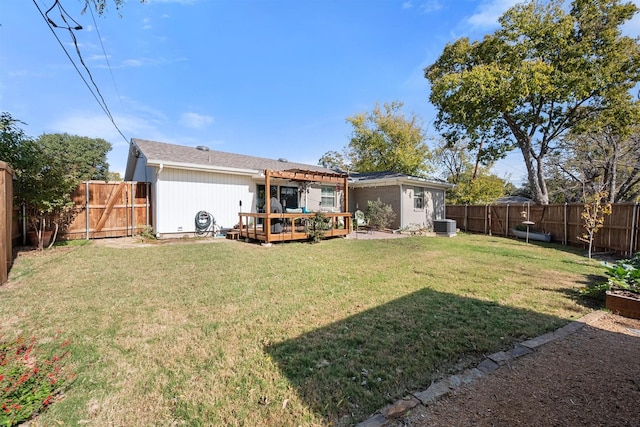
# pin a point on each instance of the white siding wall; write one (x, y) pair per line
(181, 194)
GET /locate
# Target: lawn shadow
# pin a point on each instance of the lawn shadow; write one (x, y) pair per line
(347, 370)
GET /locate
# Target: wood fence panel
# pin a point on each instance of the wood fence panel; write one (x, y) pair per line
(108, 209)
(620, 233)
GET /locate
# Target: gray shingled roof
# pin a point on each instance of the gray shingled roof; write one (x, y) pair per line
(163, 152)
(363, 177)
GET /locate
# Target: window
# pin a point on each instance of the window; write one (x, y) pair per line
(418, 198)
(289, 197)
(328, 196)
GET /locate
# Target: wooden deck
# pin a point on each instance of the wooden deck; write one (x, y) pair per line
(293, 226)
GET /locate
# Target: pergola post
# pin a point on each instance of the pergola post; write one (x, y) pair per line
(266, 223)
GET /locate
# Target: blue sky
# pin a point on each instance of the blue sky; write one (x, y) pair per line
(271, 78)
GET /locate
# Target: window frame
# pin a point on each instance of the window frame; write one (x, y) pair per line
(324, 196)
(418, 198)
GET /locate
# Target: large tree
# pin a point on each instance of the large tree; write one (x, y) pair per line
(383, 140)
(596, 162)
(474, 182)
(48, 169)
(543, 73)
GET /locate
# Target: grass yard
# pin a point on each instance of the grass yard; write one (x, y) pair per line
(235, 334)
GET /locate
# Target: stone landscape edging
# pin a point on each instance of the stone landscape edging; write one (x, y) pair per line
(491, 363)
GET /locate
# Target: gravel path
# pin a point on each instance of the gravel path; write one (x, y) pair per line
(589, 378)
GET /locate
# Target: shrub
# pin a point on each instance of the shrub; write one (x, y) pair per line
(380, 215)
(317, 226)
(30, 379)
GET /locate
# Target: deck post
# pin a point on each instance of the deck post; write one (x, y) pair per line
(266, 224)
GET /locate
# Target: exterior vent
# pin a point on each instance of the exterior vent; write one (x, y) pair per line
(283, 160)
(202, 148)
(445, 227)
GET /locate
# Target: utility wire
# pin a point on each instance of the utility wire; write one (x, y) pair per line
(51, 24)
(106, 58)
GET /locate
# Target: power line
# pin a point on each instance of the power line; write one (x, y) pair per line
(106, 58)
(50, 23)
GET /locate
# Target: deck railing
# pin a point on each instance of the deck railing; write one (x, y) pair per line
(293, 225)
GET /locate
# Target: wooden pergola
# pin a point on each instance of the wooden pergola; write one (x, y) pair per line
(294, 223)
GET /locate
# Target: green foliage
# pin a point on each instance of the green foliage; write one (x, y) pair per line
(484, 188)
(383, 140)
(30, 379)
(317, 226)
(148, 234)
(85, 158)
(334, 160)
(544, 72)
(380, 215)
(623, 275)
(48, 169)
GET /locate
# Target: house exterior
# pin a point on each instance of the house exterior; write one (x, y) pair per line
(417, 202)
(187, 180)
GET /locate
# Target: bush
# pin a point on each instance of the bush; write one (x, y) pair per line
(317, 226)
(380, 215)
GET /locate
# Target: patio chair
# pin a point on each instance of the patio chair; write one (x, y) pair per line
(360, 221)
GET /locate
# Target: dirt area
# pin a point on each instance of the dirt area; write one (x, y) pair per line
(589, 378)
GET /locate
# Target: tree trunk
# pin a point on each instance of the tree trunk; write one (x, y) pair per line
(535, 173)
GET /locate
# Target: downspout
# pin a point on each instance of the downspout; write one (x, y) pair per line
(157, 225)
(147, 205)
(401, 207)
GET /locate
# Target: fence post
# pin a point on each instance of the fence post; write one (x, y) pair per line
(633, 227)
(565, 239)
(133, 210)
(86, 206)
(506, 226)
(485, 218)
(465, 217)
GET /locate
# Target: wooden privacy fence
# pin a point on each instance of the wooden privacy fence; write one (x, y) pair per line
(619, 234)
(108, 209)
(6, 220)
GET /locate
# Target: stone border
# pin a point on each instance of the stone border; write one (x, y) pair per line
(446, 386)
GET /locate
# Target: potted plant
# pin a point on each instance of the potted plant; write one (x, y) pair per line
(623, 287)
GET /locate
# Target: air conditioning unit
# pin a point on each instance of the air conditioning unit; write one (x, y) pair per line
(445, 227)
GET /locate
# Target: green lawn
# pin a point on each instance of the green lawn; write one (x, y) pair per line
(231, 333)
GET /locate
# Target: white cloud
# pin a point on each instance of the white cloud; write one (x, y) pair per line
(195, 120)
(489, 13)
(430, 6)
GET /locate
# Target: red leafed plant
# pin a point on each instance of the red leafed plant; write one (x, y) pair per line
(30, 378)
